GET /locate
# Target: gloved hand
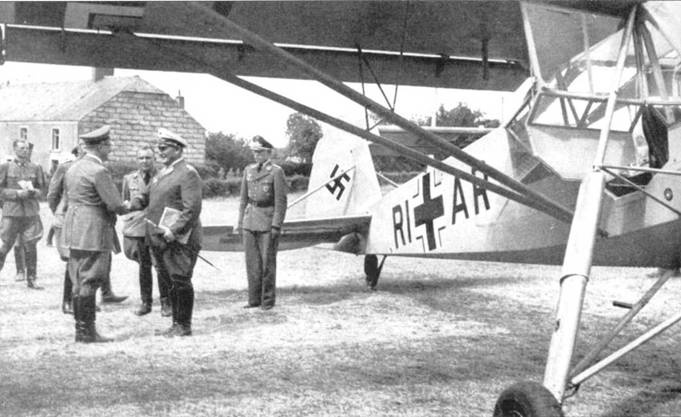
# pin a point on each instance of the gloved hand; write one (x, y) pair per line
(275, 231)
(167, 234)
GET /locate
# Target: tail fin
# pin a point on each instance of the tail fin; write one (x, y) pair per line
(343, 179)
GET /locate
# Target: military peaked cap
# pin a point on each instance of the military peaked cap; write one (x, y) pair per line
(97, 135)
(258, 143)
(171, 138)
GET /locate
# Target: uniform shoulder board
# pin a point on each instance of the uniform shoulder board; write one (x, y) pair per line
(191, 168)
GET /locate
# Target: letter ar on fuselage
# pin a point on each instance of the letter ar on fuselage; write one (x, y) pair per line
(428, 207)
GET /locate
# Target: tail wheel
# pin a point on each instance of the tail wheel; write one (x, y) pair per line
(527, 399)
(372, 269)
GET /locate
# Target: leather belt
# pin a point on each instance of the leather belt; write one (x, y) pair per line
(261, 204)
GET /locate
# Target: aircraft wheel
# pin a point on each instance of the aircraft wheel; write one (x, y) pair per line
(371, 270)
(527, 399)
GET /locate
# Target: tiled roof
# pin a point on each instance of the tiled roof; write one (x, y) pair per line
(64, 101)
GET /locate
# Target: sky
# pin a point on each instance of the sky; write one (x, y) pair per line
(222, 107)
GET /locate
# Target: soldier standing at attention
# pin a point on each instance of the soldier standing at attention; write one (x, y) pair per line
(134, 230)
(176, 241)
(20, 185)
(19, 249)
(261, 214)
(92, 202)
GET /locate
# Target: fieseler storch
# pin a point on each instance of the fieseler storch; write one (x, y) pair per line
(583, 172)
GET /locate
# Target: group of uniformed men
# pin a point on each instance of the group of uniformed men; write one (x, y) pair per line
(161, 223)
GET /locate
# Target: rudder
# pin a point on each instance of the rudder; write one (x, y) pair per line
(343, 179)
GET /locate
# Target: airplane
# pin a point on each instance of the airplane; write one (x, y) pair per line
(582, 173)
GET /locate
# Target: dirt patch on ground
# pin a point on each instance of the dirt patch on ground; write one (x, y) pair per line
(437, 338)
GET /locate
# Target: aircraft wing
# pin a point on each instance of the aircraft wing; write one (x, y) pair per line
(453, 44)
(295, 233)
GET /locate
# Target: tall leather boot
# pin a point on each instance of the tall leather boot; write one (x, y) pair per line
(84, 311)
(81, 325)
(67, 295)
(170, 331)
(185, 308)
(108, 295)
(166, 307)
(31, 259)
(19, 261)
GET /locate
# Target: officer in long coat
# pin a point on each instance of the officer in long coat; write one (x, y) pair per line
(56, 200)
(21, 182)
(173, 207)
(88, 233)
(261, 213)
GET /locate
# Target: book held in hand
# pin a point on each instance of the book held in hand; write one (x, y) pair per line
(170, 217)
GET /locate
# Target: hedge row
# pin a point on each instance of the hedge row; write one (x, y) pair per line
(215, 187)
(212, 186)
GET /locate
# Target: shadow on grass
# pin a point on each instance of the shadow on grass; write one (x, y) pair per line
(647, 401)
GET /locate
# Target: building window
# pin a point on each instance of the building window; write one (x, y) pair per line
(23, 133)
(55, 140)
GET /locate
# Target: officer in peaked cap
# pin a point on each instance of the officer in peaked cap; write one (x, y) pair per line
(167, 137)
(261, 214)
(96, 137)
(174, 240)
(88, 231)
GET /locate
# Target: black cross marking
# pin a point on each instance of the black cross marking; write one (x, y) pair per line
(426, 213)
(337, 184)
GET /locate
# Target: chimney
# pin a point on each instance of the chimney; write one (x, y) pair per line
(99, 73)
(180, 99)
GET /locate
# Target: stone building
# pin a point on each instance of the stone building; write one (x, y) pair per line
(52, 115)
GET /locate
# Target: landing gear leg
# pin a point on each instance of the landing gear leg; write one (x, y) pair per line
(524, 399)
(372, 269)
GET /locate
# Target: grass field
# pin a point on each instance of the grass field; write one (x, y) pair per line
(439, 338)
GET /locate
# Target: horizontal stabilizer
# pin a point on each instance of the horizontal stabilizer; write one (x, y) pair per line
(295, 233)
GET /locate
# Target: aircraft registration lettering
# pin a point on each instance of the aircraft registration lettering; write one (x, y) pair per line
(432, 207)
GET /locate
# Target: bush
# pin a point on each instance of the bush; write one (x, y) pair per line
(298, 182)
(207, 171)
(214, 187)
(295, 168)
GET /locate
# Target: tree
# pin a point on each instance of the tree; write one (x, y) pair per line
(303, 132)
(227, 152)
(463, 116)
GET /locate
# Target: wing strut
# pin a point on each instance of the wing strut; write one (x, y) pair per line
(407, 152)
(268, 47)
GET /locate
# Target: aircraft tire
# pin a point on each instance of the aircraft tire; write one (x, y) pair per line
(371, 270)
(527, 399)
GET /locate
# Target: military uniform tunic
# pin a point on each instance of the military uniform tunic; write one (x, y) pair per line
(179, 187)
(92, 204)
(20, 216)
(135, 246)
(262, 207)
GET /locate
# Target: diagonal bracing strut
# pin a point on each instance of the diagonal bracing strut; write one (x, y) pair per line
(407, 152)
(266, 46)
